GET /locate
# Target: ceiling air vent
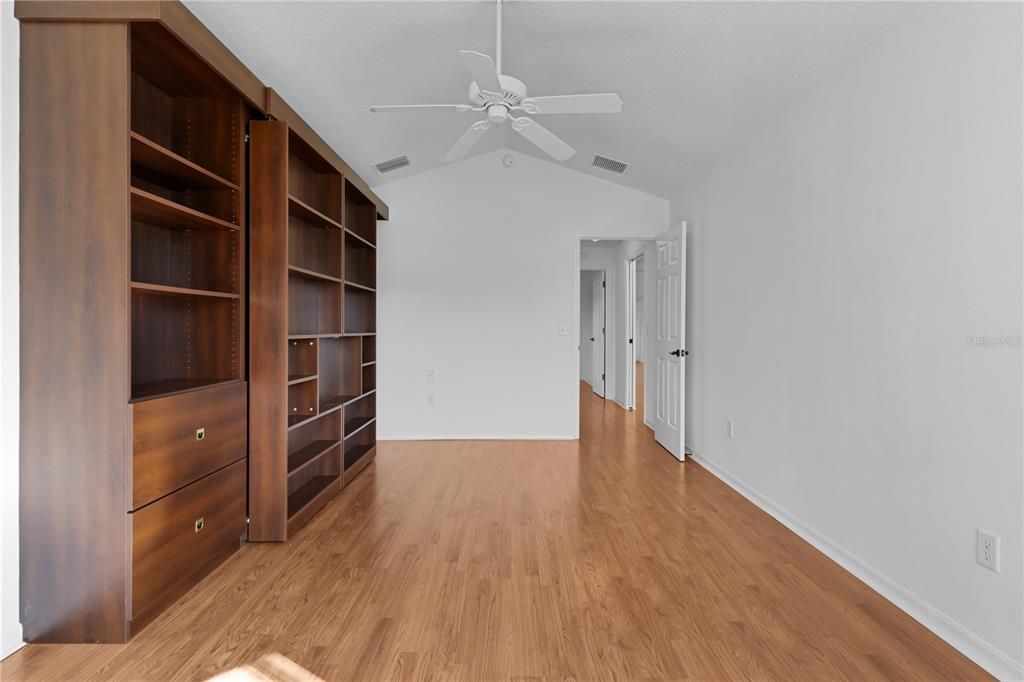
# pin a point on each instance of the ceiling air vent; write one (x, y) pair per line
(607, 164)
(392, 164)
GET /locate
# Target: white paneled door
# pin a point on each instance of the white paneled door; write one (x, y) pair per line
(597, 336)
(670, 327)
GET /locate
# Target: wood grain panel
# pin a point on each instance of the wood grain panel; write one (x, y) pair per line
(176, 538)
(74, 331)
(167, 452)
(171, 14)
(268, 328)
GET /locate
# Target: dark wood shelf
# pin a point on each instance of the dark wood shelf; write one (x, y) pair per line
(299, 337)
(308, 214)
(162, 161)
(356, 453)
(312, 274)
(300, 378)
(361, 238)
(301, 420)
(310, 494)
(168, 387)
(357, 285)
(164, 290)
(338, 401)
(357, 424)
(300, 459)
(155, 210)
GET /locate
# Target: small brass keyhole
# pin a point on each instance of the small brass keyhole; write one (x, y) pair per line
(200, 434)
(200, 522)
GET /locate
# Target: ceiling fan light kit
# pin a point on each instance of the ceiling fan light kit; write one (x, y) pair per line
(498, 95)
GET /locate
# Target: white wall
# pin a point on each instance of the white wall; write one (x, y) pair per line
(478, 270)
(586, 326)
(10, 627)
(840, 266)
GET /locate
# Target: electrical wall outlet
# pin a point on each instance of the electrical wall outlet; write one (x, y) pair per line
(564, 330)
(430, 400)
(988, 550)
(730, 428)
(430, 376)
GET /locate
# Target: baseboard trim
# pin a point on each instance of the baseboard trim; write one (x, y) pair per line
(957, 636)
(478, 437)
(13, 640)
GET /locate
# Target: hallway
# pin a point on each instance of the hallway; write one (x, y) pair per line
(476, 560)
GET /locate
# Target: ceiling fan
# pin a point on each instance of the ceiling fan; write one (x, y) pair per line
(499, 95)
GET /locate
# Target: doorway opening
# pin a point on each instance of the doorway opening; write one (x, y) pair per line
(630, 311)
(593, 327)
(636, 328)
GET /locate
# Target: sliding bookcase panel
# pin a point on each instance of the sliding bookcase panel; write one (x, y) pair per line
(312, 297)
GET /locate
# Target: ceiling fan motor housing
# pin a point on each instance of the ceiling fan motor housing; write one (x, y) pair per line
(513, 92)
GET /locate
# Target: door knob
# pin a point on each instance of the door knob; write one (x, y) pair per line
(591, 338)
(679, 353)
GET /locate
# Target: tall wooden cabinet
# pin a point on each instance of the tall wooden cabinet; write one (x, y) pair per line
(133, 326)
(312, 323)
(136, 419)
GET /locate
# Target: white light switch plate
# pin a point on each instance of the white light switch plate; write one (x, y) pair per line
(564, 330)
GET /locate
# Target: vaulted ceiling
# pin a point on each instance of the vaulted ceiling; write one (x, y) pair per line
(696, 77)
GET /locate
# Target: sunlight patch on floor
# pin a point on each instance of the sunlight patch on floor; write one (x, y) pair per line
(270, 668)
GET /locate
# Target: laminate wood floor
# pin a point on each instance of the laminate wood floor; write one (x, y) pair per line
(593, 560)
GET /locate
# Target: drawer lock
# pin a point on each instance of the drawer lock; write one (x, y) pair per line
(200, 522)
(200, 433)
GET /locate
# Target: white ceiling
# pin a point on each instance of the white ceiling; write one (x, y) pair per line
(695, 76)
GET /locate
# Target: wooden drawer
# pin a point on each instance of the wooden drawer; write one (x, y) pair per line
(171, 552)
(169, 451)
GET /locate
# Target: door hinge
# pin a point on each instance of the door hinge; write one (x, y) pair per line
(602, 377)
(631, 340)
(602, 284)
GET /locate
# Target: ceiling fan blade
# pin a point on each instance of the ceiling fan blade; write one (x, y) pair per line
(420, 107)
(466, 142)
(543, 138)
(482, 69)
(602, 103)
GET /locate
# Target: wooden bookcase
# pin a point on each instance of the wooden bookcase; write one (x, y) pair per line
(312, 262)
(133, 330)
